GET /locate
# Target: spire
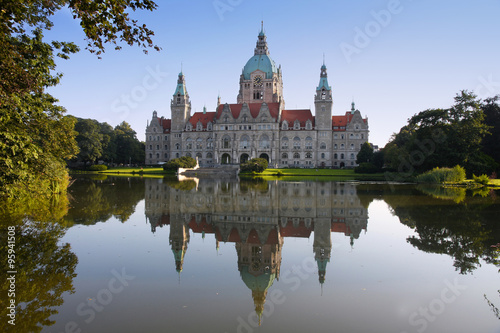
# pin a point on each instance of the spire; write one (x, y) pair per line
(261, 47)
(204, 109)
(323, 79)
(353, 106)
(181, 85)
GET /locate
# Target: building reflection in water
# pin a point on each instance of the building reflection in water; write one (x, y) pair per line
(257, 217)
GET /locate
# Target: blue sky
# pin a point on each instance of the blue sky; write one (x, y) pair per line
(395, 58)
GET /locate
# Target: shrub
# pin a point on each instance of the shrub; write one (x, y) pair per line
(483, 179)
(181, 162)
(98, 167)
(366, 167)
(442, 175)
(254, 165)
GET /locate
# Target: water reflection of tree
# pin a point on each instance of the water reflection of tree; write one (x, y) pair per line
(463, 231)
(45, 268)
(98, 201)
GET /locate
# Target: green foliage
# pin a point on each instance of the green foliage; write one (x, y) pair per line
(35, 136)
(365, 153)
(181, 162)
(483, 179)
(440, 138)
(491, 109)
(442, 175)
(257, 165)
(366, 167)
(98, 167)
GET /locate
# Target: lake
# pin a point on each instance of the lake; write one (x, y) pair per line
(159, 255)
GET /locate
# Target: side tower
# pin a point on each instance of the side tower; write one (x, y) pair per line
(261, 79)
(180, 108)
(323, 119)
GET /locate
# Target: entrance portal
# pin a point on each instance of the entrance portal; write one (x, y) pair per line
(226, 159)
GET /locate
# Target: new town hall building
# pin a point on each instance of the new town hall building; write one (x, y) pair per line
(258, 125)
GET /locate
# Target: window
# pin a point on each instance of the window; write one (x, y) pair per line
(341, 156)
(296, 156)
(335, 156)
(296, 143)
(284, 156)
(244, 142)
(210, 143)
(226, 142)
(284, 126)
(352, 146)
(323, 155)
(199, 143)
(199, 126)
(157, 147)
(166, 147)
(198, 155)
(166, 137)
(189, 143)
(209, 155)
(352, 156)
(264, 142)
(322, 145)
(296, 124)
(209, 126)
(177, 146)
(341, 146)
(284, 143)
(245, 119)
(150, 147)
(308, 155)
(335, 146)
(308, 125)
(309, 144)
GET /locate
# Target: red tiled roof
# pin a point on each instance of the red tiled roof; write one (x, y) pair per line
(301, 115)
(254, 109)
(291, 231)
(343, 121)
(166, 124)
(205, 118)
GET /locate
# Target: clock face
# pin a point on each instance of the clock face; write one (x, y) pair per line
(257, 80)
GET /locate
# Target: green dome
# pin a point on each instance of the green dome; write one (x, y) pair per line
(262, 62)
(257, 283)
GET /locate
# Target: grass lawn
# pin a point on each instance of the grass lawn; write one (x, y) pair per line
(318, 174)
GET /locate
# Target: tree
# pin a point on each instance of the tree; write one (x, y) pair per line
(365, 153)
(441, 138)
(128, 148)
(257, 165)
(185, 162)
(89, 140)
(491, 109)
(35, 136)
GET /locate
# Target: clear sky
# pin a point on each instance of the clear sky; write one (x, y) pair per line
(395, 58)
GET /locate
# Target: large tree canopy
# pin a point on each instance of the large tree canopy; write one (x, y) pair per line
(35, 136)
(442, 138)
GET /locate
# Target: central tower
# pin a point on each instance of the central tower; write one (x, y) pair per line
(261, 80)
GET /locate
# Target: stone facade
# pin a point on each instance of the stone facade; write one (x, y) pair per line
(258, 125)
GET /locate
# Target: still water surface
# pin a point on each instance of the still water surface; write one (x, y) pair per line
(157, 255)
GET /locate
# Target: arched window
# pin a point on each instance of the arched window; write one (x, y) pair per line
(322, 145)
(284, 126)
(323, 155)
(198, 155)
(209, 156)
(244, 142)
(264, 142)
(296, 156)
(352, 156)
(199, 143)
(309, 143)
(296, 143)
(284, 143)
(284, 156)
(189, 143)
(341, 146)
(209, 126)
(199, 126)
(335, 156)
(308, 155)
(341, 156)
(210, 143)
(188, 155)
(177, 146)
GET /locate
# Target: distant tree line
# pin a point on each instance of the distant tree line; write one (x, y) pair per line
(466, 134)
(101, 142)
